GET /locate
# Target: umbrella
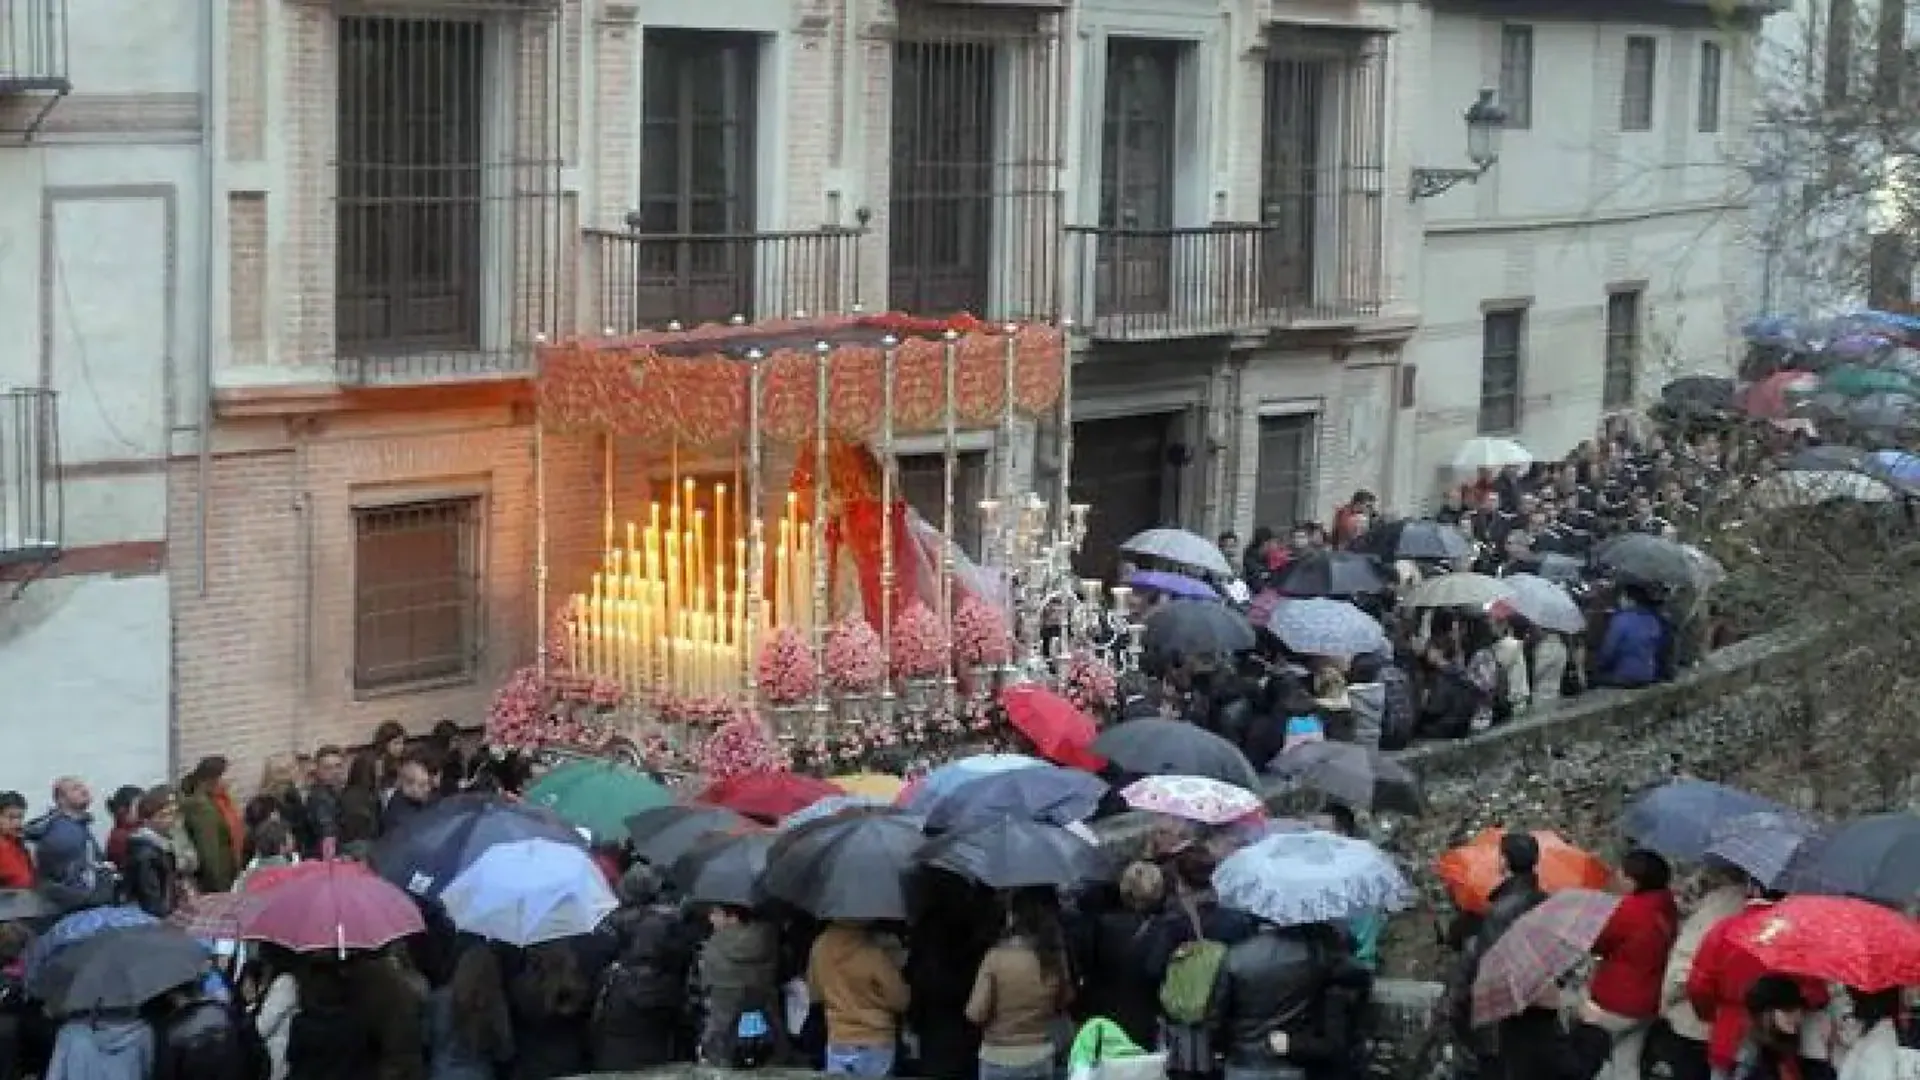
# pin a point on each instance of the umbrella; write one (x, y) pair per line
(18, 904)
(1172, 584)
(1297, 878)
(74, 929)
(1184, 628)
(1771, 397)
(1544, 604)
(528, 892)
(767, 796)
(1472, 871)
(1358, 776)
(1762, 844)
(825, 808)
(1486, 452)
(273, 877)
(1834, 939)
(1562, 569)
(1414, 539)
(931, 788)
(330, 908)
(1263, 605)
(598, 795)
(882, 786)
(1192, 798)
(1179, 546)
(725, 870)
(1461, 590)
(1825, 459)
(1877, 857)
(1009, 853)
(423, 855)
(1677, 818)
(1153, 747)
(1049, 793)
(1789, 490)
(120, 970)
(1699, 393)
(1316, 626)
(1332, 573)
(1853, 380)
(1893, 466)
(1541, 947)
(1057, 728)
(1653, 560)
(852, 866)
(216, 916)
(662, 835)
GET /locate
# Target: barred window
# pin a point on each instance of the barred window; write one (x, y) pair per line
(1283, 492)
(1710, 63)
(1502, 343)
(1636, 89)
(1623, 349)
(416, 569)
(1516, 74)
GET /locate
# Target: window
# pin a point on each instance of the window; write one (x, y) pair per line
(1636, 90)
(1502, 339)
(940, 216)
(1516, 74)
(409, 255)
(1709, 86)
(1623, 349)
(1283, 491)
(923, 486)
(416, 596)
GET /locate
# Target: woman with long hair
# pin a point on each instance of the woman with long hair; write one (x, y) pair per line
(469, 1030)
(1021, 994)
(280, 782)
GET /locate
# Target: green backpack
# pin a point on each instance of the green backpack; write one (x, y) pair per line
(1187, 987)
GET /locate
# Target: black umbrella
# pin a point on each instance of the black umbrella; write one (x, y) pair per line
(1047, 793)
(121, 969)
(1337, 574)
(1152, 747)
(724, 869)
(429, 851)
(1875, 857)
(1654, 560)
(1358, 776)
(665, 833)
(1193, 628)
(1826, 459)
(1699, 393)
(854, 865)
(17, 904)
(1011, 853)
(1416, 539)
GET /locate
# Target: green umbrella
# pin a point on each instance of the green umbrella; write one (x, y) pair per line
(1853, 380)
(598, 796)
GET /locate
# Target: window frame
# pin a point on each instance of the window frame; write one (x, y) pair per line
(1310, 419)
(1519, 108)
(469, 518)
(1489, 403)
(968, 523)
(1639, 119)
(1621, 346)
(1709, 105)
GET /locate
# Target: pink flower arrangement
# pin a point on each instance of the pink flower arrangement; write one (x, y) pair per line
(785, 667)
(741, 745)
(706, 712)
(1089, 683)
(920, 644)
(519, 712)
(854, 663)
(979, 634)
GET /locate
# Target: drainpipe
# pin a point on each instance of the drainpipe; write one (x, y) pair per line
(209, 151)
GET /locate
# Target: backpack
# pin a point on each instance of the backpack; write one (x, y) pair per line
(1187, 987)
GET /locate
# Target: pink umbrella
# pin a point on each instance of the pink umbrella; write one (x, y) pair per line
(1193, 798)
(332, 908)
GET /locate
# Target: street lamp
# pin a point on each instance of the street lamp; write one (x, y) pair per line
(1485, 118)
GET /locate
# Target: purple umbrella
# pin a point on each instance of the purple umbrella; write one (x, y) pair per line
(1172, 584)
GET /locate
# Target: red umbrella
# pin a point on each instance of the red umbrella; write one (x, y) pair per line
(768, 796)
(215, 916)
(272, 877)
(1059, 732)
(1835, 939)
(332, 908)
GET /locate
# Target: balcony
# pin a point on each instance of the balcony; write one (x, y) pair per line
(33, 62)
(645, 281)
(31, 512)
(1161, 284)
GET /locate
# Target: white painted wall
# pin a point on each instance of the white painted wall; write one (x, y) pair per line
(1573, 206)
(100, 240)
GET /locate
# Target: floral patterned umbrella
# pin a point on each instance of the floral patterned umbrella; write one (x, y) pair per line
(1537, 950)
(1297, 878)
(1192, 798)
(1319, 626)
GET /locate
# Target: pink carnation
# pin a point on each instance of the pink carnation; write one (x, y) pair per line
(1089, 683)
(854, 664)
(741, 745)
(920, 645)
(979, 633)
(785, 667)
(519, 712)
(710, 712)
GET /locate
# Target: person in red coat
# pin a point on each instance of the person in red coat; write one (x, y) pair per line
(16, 862)
(1633, 949)
(1723, 974)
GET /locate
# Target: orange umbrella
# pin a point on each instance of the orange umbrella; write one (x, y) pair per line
(1472, 871)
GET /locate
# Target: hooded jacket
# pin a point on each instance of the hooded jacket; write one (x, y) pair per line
(103, 1049)
(66, 851)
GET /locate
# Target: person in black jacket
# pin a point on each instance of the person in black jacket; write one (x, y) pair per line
(1516, 895)
(152, 871)
(642, 994)
(199, 1039)
(1286, 1005)
(323, 808)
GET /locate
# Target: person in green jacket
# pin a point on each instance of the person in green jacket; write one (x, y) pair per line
(212, 823)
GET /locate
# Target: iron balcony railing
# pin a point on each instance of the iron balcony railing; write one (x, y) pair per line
(647, 281)
(31, 511)
(33, 47)
(1155, 284)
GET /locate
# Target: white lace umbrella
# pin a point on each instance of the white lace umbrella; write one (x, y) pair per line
(1179, 546)
(1462, 590)
(1486, 452)
(1293, 879)
(1786, 490)
(1317, 626)
(1545, 604)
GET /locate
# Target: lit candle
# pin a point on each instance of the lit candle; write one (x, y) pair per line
(719, 524)
(631, 531)
(782, 557)
(699, 570)
(803, 596)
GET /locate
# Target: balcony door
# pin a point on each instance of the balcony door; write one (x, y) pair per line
(1126, 480)
(694, 261)
(940, 216)
(1139, 129)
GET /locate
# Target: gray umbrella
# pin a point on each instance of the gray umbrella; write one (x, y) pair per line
(1652, 560)
(1009, 853)
(852, 866)
(1046, 793)
(1763, 844)
(1190, 628)
(1150, 747)
(17, 904)
(1358, 776)
(121, 969)
(1826, 459)
(724, 870)
(1875, 857)
(665, 833)
(1677, 818)
(1179, 546)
